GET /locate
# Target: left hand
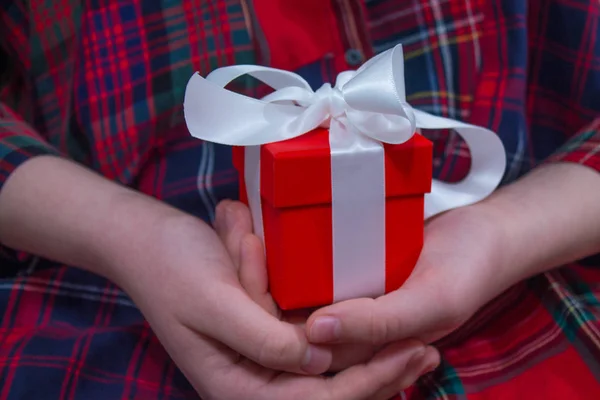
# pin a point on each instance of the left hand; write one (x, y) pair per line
(459, 270)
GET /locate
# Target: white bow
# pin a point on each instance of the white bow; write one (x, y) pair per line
(366, 105)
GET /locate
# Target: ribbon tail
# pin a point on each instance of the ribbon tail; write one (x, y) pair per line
(488, 164)
(252, 180)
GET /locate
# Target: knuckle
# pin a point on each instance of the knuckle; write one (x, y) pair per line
(275, 351)
(379, 331)
(380, 327)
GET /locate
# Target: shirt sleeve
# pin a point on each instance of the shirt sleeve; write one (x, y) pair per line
(18, 143)
(583, 148)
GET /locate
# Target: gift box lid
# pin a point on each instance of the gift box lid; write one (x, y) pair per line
(297, 171)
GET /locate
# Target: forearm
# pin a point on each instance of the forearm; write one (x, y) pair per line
(59, 210)
(548, 218)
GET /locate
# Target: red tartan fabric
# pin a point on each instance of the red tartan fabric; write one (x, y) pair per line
(102, 82)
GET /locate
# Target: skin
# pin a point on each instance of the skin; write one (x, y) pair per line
(545, 220)
(202, 290)
(221, 323)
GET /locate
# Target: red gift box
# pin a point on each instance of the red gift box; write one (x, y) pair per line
(341, 212)
(296, 201)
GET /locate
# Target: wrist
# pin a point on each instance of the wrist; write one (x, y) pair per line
(533, 224)
(504, 242)
(548, 218)
(485, 246)
(133, 233)
(59, 210)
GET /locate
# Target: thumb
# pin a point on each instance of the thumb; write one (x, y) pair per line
(413, 311)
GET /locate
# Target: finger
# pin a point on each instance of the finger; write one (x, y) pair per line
(246, 250)
(240, 323)
(431, 361)
(343, 355)
(229, 315)
(392, 370)
(232, 223)
(253, 273)
(359, 382)
(410, 311)
(211, 366)
(412, 373)
(347, 355)
(296, 317)
(381, 377)
(199, 358)
(219, 221)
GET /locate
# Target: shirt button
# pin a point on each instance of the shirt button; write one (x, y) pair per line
(354, 57)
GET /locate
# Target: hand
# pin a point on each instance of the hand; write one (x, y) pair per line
(234, 226)
(546, 219)
(459, 270)
(186, 284)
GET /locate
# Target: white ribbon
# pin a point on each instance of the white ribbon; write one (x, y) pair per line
(366, 108)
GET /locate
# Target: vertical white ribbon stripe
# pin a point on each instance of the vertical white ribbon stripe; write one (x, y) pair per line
(358, 214)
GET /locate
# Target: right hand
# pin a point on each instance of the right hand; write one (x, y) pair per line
(185, 281)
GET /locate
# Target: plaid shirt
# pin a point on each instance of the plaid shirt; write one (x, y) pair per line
(102, 82)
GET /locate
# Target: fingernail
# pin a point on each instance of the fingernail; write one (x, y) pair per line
(229, 216)
(218, 215)
(325, 329)
(430, 360)
(316, 360)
